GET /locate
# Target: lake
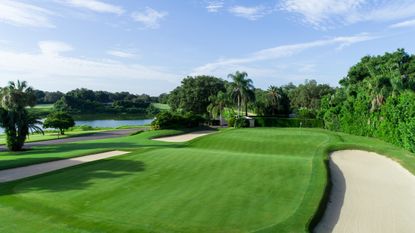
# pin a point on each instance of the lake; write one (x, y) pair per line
(109, 123)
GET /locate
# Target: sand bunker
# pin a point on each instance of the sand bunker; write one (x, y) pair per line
(371, 193)
(185, 137)
(37, 169)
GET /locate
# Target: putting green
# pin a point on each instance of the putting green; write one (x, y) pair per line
(246, 180)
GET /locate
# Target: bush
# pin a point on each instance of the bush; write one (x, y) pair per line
(287, 122)
(169, 120)
(152, 111)
(241, 122)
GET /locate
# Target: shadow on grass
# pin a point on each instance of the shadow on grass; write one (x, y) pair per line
(74, 178)
(336, 199)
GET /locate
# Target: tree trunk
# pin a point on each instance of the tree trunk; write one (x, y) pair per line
(239, 105)
(220, 119)
(246, 108)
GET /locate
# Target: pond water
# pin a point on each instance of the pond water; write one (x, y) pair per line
(113, 123)
(109, 123)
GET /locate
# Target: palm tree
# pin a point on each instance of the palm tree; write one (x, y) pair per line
(15, 119)
(274, 97)
(248, 97)
(240, 88)
(217, 105)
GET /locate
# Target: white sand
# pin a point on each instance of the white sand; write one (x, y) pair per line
(371, 193)
(185, 137)
(37, 169)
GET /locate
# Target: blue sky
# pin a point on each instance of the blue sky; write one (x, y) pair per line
(149, 46)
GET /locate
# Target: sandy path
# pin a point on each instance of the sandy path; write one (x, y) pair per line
(37, 169)
(371, 193)
(185, 137)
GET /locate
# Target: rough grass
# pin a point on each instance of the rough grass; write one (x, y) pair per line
(245, 180)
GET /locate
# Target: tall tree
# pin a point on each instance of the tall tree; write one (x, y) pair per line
(274, 97)
(217, 105)
(14, 117)
(242, 89)
(194, 92)
(309, 95)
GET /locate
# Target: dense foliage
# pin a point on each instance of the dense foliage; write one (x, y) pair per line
(305, 99)
(59, 120)
(287, 122)
(46, 97)
(88, 101)
(376, 98)
(272, 102)
(169, 120)
(194, 92)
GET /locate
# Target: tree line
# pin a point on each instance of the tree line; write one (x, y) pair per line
(208, 95)
(84, 101)
(376, 99)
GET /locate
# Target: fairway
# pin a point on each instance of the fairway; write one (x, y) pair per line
(239, 180)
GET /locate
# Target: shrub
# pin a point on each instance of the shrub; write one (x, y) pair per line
(169, 120)
(287, 122)
(241, 122)
(231, 121)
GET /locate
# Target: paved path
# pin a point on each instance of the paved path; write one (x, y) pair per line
(185, 137)
(371, 193)
(37, 169)
(94, 136)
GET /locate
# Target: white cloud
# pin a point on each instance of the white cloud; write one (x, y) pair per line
(150, 18)
(53, 48)
(278, 52)
(23, 14)
(331, 13)
(215, 6)
(97, 6)
(407, 23)
(122, 54)
(51, 69)
(251, 13)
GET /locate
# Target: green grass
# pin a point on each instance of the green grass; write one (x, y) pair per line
(161, 106)
(244, 180)
(42, 109)
(44, 106)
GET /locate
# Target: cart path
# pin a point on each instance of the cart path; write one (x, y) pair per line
(370, 193)
(93, 136)
(37, 169)
(185, 137)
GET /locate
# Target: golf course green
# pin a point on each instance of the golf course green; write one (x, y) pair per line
(235, 180)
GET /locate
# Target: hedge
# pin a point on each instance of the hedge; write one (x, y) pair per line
(287, 122)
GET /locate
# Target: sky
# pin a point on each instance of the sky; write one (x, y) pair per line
(149, 46)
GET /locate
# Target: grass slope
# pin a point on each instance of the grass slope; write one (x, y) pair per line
(245, 180)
